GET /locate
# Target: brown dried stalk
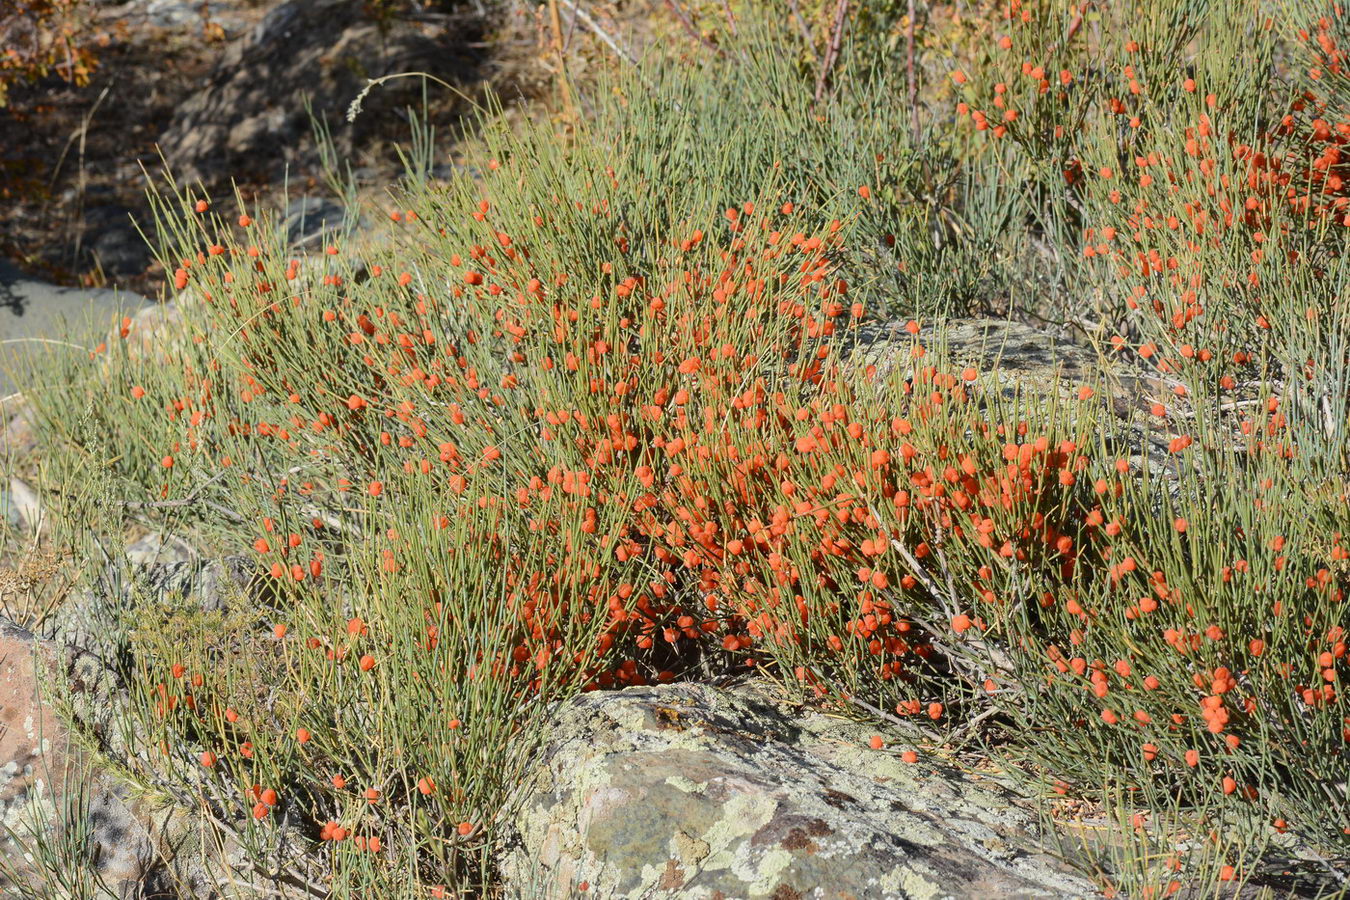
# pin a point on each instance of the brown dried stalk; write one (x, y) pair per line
(832, 54)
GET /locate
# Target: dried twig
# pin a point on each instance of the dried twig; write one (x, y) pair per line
(974, 665)
(599, 32)
(836, 39)
(880, 713)
(78, 133)
(38, 340)
(801, 24)
(1074, 24)
(915, 727)
(290, 877)
(623, 54)
(194, 497)
(919, 571)
(909, 69)
(971, 723)
(688, 26)
(556, 22)
(731, 17)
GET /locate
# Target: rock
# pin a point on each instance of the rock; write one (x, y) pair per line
(40, 319)
(157, 548)
(51, 789)
(1015, 354)
(12, 405)
(122, 844)
(22, 506)
(310, 220)
(109, 237)
(250, 118)
(10, 513)
(162, 330)
(20, 436)
(694, 791)
(210, 584)
(178, 15)
(93, 620)
(158, 326)
(1016, 359)
(30, 739)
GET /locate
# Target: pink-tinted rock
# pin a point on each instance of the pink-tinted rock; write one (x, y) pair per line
(52, 791)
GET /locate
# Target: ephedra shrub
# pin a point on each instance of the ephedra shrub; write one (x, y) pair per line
(1188, 164)
(614, 413)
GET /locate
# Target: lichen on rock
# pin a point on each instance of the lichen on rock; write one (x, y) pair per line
(692, 790)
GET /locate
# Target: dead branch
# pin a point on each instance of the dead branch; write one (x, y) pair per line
(832, 54)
